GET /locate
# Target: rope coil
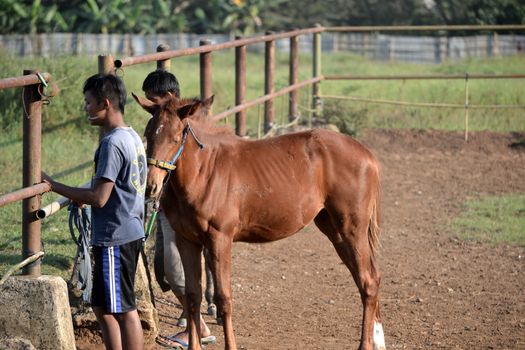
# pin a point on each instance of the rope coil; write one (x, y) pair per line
(81, 277)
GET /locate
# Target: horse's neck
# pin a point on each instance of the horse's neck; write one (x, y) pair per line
(195, 163)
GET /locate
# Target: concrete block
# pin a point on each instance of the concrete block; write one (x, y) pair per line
(37, 309)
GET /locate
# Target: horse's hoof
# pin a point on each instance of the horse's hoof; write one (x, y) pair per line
(212, 310)
(219, 321)
(182, 322)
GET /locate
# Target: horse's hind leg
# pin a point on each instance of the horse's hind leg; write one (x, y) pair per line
(208, 293)
(350, 239)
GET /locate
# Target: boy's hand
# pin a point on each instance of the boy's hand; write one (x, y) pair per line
(48, 180)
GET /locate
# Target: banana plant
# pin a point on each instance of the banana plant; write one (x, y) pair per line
(22, 17)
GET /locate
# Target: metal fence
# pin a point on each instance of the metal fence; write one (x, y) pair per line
(375, 45)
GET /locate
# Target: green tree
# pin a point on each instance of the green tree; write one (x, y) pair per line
(30, 17)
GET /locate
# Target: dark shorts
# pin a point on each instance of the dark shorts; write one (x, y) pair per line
(114, 276)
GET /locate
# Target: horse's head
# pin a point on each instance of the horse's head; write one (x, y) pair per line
(165, 135)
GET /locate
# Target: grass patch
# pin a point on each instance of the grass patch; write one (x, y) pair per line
(493, 219)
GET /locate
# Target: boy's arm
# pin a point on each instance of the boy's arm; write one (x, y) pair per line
(96, 196)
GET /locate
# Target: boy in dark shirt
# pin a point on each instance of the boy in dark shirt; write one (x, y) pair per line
(117, 200)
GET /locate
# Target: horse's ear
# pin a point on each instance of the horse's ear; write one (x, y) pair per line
(208, 102)
(150, 106)
(189, 109)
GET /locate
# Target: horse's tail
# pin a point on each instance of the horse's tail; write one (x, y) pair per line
(374, 230)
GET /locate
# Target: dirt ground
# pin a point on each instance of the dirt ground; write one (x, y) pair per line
(437, 292)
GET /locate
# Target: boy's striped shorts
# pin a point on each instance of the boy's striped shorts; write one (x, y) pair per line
(114, 276)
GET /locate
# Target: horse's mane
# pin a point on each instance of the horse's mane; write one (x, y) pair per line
(200, 119)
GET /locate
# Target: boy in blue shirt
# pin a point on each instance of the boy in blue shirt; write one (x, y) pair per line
(117, 200)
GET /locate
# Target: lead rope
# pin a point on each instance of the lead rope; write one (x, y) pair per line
(81, 277)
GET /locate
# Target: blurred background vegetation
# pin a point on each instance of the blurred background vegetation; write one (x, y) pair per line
(243, 17)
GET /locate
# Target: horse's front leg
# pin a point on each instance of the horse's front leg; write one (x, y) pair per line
(191, 260)
(220, 253)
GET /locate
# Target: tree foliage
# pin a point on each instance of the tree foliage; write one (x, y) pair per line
(243, 16)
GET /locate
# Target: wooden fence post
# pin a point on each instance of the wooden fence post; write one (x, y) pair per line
(32, 141)
(205, 72)
(105, 66)
(163, 64)
(269, 69)
(466, 106)
(294, 69)
(240, 88)
(316, 87)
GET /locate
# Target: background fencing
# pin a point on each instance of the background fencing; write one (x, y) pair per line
(420, 49)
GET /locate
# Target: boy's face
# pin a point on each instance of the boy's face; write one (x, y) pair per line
(96, 110)
(157, 98)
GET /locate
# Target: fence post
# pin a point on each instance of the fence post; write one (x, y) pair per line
(466, 106)
(205, 72)
(269, 69)
(294, 69)
(316, 88)
(32, 141)
(105, 66)
(240, 88)
(163, 64)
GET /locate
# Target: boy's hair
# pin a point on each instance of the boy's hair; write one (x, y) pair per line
(108, 86)
(161, 82)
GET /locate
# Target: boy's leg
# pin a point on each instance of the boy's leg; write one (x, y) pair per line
(110, 328)
(131, 330)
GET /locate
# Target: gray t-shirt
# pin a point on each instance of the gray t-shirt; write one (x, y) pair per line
(121, 159)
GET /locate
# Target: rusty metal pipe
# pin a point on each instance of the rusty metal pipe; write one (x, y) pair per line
(293, 78)
(423, 28)
(265, 98)
(129, 61)
(205, 67)
(269, 72)
(25, 80)
(240, 88)
(52, 208)
(24, 193)
(163, 64)
(32, 142)
(55, 206)
(424, 77)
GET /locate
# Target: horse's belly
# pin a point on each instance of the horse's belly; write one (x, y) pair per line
(264, 234)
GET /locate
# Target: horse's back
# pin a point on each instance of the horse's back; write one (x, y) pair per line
(291, 178)
(341, 160)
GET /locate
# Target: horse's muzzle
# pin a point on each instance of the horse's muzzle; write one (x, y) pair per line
(154, 182)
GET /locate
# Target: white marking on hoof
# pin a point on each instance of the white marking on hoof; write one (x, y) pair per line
(379, 337)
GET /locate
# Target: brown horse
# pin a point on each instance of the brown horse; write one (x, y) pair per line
(228, 189)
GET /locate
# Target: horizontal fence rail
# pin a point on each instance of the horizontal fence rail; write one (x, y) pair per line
(26, 80)
(424, 28)
(24, 193)
(425, 77)
(265, 98)
(211, 47)
(422, 104)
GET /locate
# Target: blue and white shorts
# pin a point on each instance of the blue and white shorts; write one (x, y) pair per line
(114, 277)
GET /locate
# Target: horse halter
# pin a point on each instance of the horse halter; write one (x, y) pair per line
(169, 166)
